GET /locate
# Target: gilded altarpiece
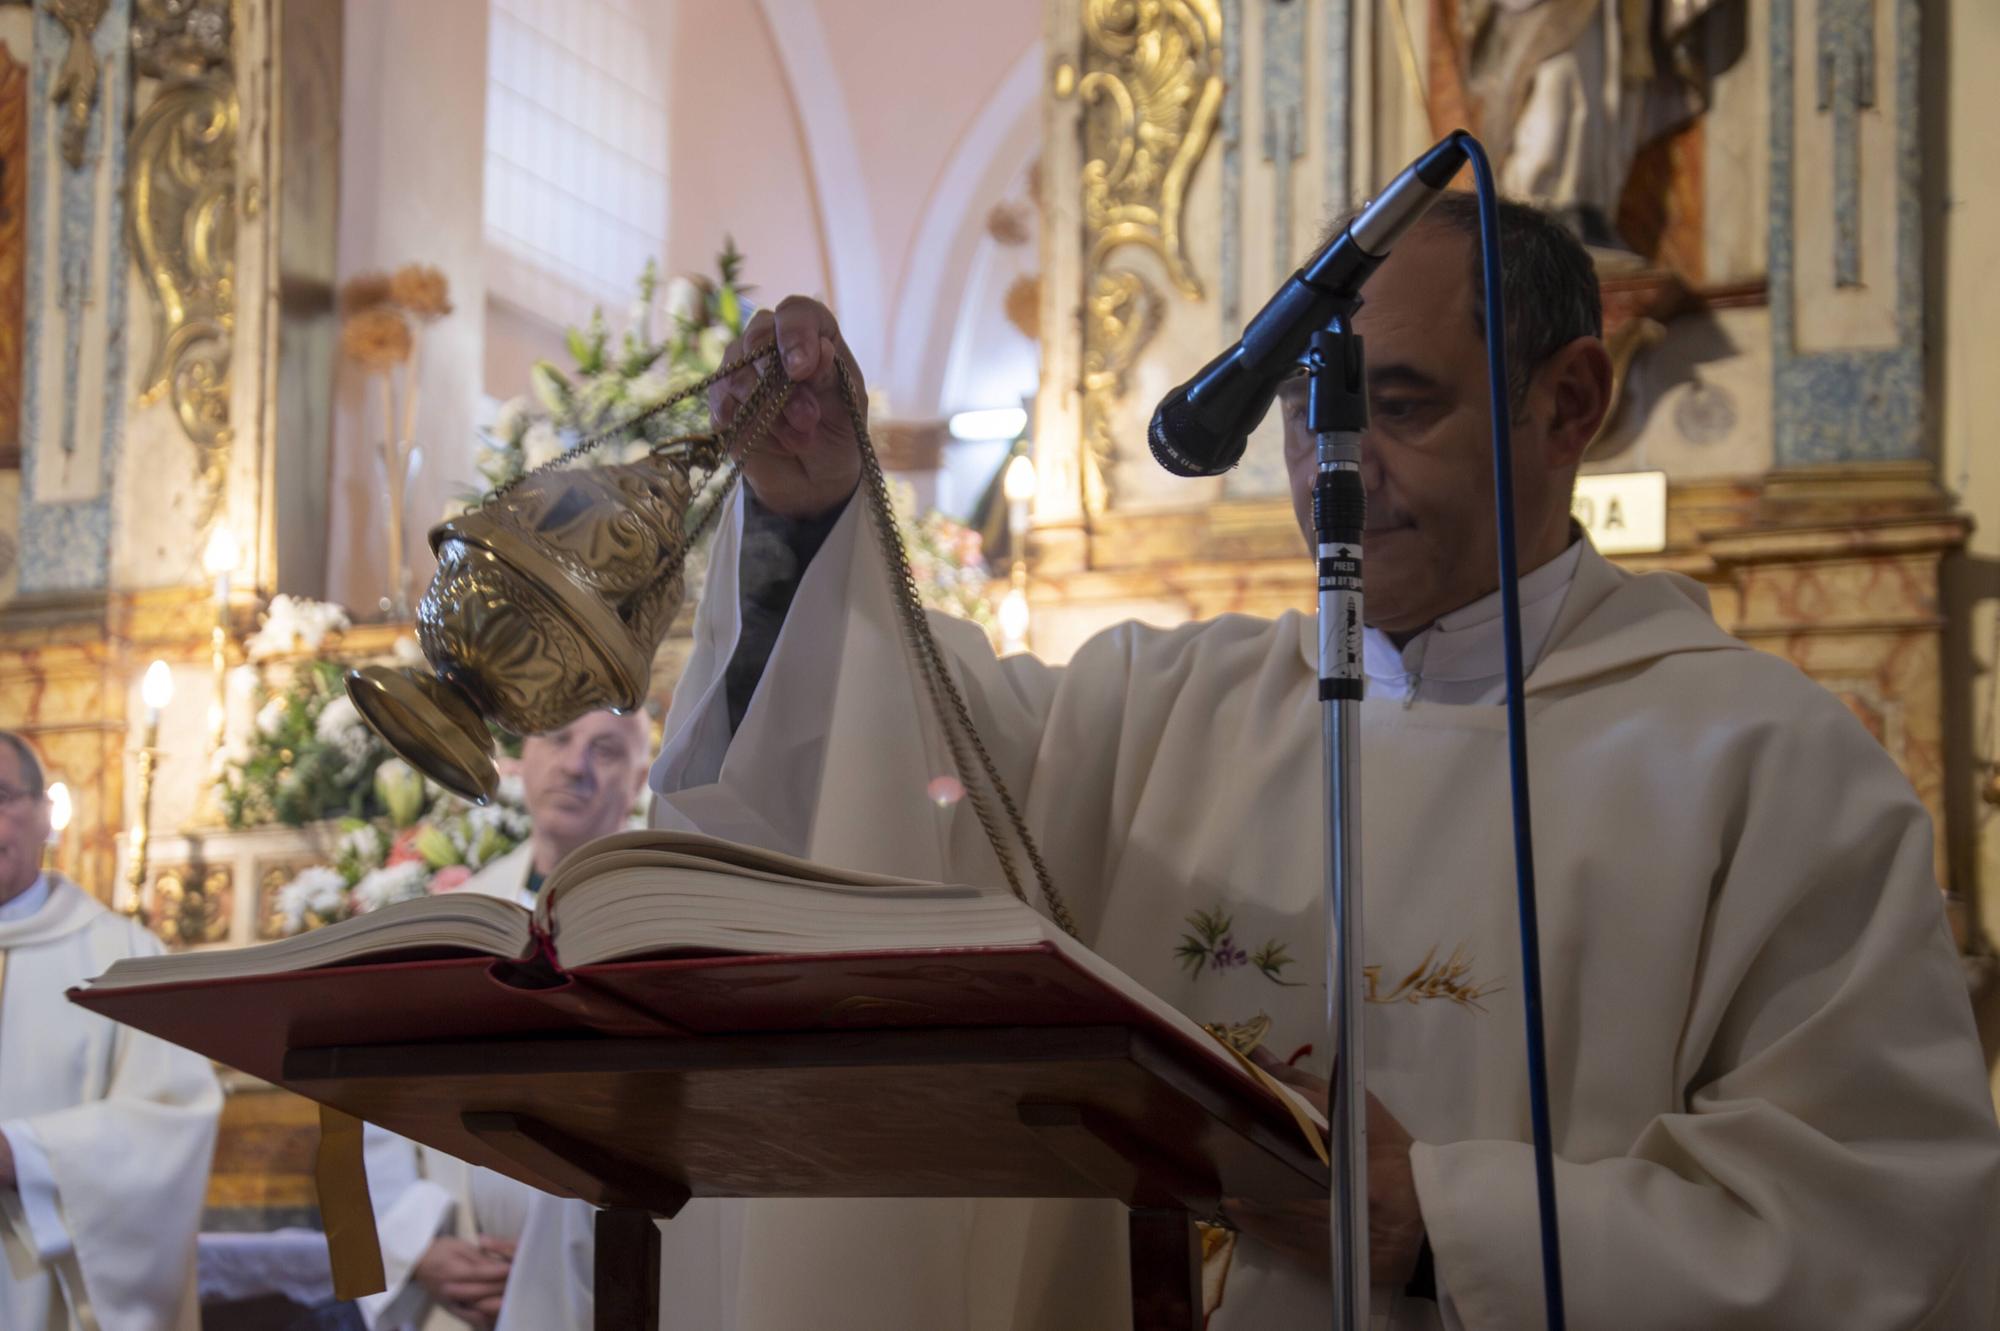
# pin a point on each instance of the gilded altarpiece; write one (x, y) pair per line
(13, 248)
(170, 304)
(1195, 151)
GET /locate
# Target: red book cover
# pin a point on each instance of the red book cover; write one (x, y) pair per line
(249, 1022)
(1031, 985)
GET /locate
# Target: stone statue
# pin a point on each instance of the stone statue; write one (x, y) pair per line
(1565, 93)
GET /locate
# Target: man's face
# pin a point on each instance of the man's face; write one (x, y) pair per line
(24, 826)
(1426, 459)
(581, 780)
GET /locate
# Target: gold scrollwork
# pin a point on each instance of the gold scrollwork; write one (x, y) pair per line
(1121, 312)
(1151, 92)
(182, 215)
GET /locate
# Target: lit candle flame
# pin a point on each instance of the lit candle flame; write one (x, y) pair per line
(1014, 618)
(220, 556)
(1019, 482)
(157, 689)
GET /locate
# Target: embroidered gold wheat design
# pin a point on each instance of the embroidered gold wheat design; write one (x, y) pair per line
(1432, 979)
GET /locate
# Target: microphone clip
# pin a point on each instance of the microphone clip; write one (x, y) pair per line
(1337, 392)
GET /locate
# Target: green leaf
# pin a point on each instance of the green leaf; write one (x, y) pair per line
(579, 347)
(1211, 925)
(639, 359)
(1192, 953)
(1272, 958)
(551, 387)
(435, 847)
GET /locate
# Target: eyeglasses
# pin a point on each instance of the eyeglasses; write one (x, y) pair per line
(10, 797)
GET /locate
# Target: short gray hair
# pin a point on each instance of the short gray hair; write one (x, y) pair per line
(31, 766)
(1547, 281)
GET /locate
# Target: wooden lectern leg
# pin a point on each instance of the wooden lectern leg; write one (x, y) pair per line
(626, 1277)
(1166, 1246)
(580, 1167)
(1166, 1271)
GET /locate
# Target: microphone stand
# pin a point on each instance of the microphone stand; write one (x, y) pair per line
(1337, 413)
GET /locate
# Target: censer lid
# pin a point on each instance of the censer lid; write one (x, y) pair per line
(431, 725)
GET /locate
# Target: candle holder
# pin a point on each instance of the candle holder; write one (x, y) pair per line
(157, 690)
(219, 560)
(1018, 484)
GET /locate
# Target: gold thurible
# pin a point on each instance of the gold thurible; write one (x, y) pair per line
(549, 602)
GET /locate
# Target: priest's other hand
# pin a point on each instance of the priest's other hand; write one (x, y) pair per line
(1395, 1220)
(466, 1278)
(811, 461)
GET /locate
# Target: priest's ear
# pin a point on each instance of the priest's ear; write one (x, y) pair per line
(1570, 395)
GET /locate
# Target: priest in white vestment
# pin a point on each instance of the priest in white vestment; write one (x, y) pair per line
(448, 1228)
(1769, 1104)
(106, 1133)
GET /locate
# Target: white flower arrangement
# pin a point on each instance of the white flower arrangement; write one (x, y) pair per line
(295, 624)
(389, 884)
(271, 717)
(341, 729)
(317, 895)
(607, 386)
(432, 845)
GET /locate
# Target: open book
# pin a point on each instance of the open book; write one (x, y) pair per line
(647, 933)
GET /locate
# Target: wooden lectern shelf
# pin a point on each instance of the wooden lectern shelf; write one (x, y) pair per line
(638, 1126)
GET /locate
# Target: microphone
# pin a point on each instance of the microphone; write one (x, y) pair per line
(1202, 427)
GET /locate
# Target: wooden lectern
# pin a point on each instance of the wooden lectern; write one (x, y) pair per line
(638, 1126)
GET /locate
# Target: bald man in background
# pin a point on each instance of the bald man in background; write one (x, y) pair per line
(449, 1229)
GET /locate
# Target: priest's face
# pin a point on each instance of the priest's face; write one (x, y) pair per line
(1426, 459)
(581, 780)
(24, 825)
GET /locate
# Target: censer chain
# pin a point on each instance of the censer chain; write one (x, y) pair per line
(977, 772)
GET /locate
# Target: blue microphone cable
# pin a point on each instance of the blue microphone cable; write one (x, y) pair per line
(1517, 727)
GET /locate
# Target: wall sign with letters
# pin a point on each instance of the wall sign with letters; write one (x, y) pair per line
(1625, 512)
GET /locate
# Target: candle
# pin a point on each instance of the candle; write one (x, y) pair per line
(156, 690)
(219, 559)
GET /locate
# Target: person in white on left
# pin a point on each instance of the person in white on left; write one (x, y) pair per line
(449, 1229)
(106, 1134)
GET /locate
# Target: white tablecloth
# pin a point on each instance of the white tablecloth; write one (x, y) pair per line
(291, 1262)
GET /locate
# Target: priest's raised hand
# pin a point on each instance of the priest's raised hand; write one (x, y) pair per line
(811, 461)
(1769, 1101)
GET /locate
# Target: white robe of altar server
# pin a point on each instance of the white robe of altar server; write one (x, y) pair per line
(1769, 1104)
(112, 1132)
(419, 1193)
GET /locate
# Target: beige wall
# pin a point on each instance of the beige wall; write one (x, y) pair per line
(737, 161)
(1962, 197)
(413, 121)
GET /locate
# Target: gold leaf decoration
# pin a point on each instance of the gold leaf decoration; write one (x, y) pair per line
(192, 905)
(182, 217)
(1151, 90)
(75, 85)
(1121, 312)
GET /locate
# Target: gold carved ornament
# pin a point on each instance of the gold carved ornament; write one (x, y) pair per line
(552, 596)
(192, 904)
(75, 85)
(182, 216)
(1152, 91)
